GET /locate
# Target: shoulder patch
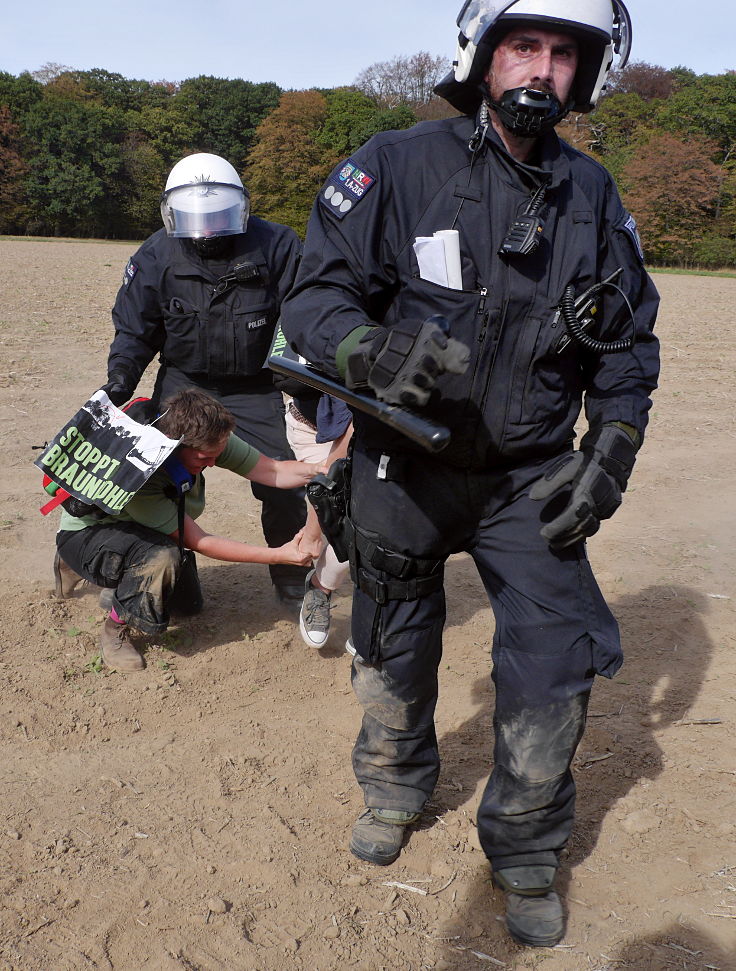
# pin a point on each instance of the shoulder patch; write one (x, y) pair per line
(629, 226)
(129, 272)
(345, 188)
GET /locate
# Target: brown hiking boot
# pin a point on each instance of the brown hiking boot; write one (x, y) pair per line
(65, 579)
(117, 651)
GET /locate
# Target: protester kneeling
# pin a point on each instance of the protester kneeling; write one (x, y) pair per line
(140, 555)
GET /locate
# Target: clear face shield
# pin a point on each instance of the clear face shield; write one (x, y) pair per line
(477, 16)
(203, 210)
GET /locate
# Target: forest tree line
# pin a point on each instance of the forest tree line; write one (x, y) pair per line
(87, 153)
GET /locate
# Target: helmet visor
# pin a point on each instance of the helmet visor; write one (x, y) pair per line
(478, 15)
(204, 209)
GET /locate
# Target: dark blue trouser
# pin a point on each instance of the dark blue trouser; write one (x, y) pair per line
(553, 633)
(258, 409)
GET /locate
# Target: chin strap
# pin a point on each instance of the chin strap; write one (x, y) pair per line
(528, 113)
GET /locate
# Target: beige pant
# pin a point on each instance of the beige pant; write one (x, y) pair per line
(330, 572)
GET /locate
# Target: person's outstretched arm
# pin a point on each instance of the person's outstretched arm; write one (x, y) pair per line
(233, 551)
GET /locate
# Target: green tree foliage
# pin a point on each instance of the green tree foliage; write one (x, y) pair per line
(225, 113)
(19, 93)
(116, 91)
(348, 122)
(144, 174)
(88, 152)
(352, 118)
(75, 168)
(705, 106)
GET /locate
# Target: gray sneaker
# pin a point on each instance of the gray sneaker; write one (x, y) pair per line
(314, 617)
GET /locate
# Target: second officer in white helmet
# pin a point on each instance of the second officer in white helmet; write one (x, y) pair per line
(204, 294)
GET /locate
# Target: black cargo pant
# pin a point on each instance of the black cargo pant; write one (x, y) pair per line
(259, 412)
(140, 563)
(553, 633)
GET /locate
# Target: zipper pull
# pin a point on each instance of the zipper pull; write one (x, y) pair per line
(482, 304)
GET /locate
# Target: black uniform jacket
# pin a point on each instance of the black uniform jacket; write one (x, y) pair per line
(195, 313)
(520, 398)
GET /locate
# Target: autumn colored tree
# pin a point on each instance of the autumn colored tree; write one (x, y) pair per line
(648, 81)
(287, 165)
(673, 189)
(12, 174)
(88, 152)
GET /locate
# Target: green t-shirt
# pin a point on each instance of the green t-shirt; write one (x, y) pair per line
(152, 507)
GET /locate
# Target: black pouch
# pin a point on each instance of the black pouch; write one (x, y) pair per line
(330, 496)
(186, 598)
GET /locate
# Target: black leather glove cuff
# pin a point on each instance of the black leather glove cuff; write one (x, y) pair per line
(361, 360)
(613, 449)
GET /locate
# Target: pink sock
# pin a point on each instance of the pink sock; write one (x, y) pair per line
(114, 616)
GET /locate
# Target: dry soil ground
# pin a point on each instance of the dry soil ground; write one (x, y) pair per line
(196, 816)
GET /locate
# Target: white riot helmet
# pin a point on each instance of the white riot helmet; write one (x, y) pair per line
(204, 198)
(602, 27)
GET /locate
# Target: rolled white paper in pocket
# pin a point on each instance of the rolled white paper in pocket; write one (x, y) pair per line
(451, 241)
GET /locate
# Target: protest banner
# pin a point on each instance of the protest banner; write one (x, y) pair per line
(102, 456)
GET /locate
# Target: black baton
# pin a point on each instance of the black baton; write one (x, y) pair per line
(421, 430)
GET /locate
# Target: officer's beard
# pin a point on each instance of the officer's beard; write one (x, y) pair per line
(213, 247)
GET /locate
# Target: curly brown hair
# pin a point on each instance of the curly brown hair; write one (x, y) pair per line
(196, 418)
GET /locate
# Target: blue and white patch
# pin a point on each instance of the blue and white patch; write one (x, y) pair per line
(630, 227)
(345, 188)
(129, 272)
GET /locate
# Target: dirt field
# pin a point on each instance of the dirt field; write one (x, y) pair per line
(196, 816)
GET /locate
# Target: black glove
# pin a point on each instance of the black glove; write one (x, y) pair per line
(595, 476)
(401, 363)
(77, 507)
(120, 386)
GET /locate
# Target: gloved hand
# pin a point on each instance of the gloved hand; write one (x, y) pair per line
(595, 476)
(401, 363)
(120, 386)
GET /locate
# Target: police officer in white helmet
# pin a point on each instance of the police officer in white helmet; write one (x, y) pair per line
(204, 294)
(548, 308)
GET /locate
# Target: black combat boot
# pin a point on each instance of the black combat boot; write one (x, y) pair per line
(378, 834)
(534, 914)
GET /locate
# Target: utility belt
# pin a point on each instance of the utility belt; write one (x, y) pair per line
(223, 383)
(410, 577)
